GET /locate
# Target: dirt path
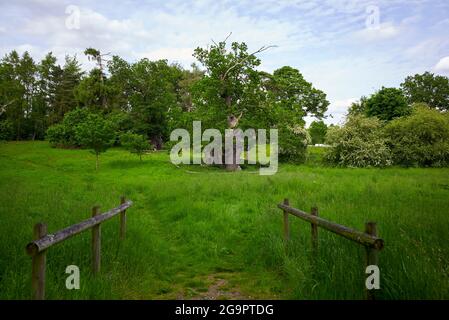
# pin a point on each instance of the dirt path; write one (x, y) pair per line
(218, 289)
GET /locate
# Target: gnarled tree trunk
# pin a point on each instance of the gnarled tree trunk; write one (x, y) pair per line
(157, 142)
(232, 161)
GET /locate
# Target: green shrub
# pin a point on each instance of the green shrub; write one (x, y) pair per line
(56, 135)
(317, 131)
(6, 130)
(135, 143)
(293, 144)
(421, 139)
(96, 133)
(122, 123)
(64, 134)
(359, 143)
(70, 122)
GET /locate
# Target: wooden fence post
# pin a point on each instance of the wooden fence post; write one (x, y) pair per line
(122, 219)
(372, 255)
(286, 225)
(38, 264)
(314, 212)
(96, 243)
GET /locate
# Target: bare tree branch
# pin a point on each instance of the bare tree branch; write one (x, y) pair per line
(262, 49)
(241, 114)
(214, 42)
(3, 107)
(226, 39)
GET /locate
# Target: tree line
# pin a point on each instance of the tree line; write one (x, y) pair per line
(406, 126)
(389, 103)
(137, 104)
(150, 98)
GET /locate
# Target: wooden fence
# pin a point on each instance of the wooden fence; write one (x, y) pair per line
(368, 239)
(37, 249)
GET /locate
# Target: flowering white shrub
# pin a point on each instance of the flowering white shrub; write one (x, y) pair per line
(359, 143)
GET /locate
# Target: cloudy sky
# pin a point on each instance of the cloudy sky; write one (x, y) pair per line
(347, 48)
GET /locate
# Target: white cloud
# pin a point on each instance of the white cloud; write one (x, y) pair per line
(442, 65)
(341, 106)
(171, 34)
(383, 31)
(428, 49)
(336, 112)
(326, 40)
(95, 30)
(181, 55)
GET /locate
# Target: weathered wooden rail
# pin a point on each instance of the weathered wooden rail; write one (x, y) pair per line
(368, 239)
(37, 249)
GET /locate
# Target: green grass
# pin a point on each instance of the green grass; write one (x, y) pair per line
(189, 224)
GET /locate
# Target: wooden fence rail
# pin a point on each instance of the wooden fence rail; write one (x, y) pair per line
(37, 249)
(368, 239)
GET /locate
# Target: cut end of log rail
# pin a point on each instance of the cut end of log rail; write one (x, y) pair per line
(32, 249)
(378, 244)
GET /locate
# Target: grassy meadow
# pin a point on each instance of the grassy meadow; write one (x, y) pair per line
(197, 232)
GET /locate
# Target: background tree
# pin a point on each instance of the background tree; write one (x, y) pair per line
(120, 84)
(293, 142)
(288, 89)
(233, 94)
(427, 88)
(44, 97)
(96, 80)
(34, 96)
(67, 80)
(289, 99)
(184, 85)
(358, 107)
(387, 104)
(18, 85)
(182, 113)
(11, 92)
(27, 77)
(122, 123)
(227, 89)
(97, 134)
(95, 55)
(318, 130)
(421, 139)
(230, 88)
(153, 95)
(6, 130)
(92, 92)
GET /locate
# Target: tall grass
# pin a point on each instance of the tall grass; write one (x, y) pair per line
(188, 223)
